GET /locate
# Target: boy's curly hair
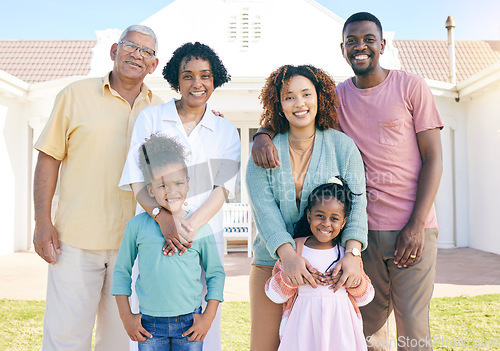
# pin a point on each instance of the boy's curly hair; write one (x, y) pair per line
(271, 94)
(159, 151)
(198, 51)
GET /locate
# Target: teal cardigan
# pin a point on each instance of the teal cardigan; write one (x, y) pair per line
(272, 192)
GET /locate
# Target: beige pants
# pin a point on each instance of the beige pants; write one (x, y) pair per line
(265, 315)
(78, 290)
(400, 293)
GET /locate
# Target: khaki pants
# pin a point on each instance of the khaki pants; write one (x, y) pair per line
(78, 290)
(403, 294)
(265, 315)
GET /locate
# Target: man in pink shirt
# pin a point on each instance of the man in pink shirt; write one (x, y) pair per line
(394, 121)
(393, 118)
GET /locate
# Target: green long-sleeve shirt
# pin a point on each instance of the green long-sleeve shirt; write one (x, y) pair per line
(167, 286)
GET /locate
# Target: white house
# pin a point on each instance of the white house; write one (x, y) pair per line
(253, 37)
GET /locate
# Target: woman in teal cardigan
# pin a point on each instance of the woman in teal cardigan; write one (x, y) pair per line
(299, 104)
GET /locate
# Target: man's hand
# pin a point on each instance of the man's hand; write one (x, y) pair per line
(176, 240)
(409, 245)
(45, 238)
(46, 241)
(264, 153)
(133, 327)
(410, 241)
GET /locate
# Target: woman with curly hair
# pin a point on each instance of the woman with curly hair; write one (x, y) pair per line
(212, 147)
(300, 104)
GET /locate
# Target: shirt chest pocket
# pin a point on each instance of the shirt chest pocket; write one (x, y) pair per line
(391, 132)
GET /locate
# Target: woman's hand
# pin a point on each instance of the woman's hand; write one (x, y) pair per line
(348, 269)
(296, 269)
(168, 227)
(186, 233)
(218, 113)
(188, 227)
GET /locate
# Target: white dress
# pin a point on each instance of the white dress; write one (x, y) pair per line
(321, 320)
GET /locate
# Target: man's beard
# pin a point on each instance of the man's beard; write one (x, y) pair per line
(362, 71)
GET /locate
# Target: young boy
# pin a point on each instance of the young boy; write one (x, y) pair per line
(169, 288)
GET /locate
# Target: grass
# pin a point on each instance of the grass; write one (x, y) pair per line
(466, 323)
(235, 326)
(457, 323)
(21, 324)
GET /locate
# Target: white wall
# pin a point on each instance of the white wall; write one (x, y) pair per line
(483, 141)
(15, 157)
(452, 198)
(24, 110)
(446, 212)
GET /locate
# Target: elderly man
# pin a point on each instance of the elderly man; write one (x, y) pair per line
(87, 138)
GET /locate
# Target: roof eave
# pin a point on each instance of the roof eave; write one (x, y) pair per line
(40, 89)
(479, 81)
(12, 86)
(325, 11)
(442, 89)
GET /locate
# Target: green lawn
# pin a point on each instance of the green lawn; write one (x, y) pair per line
(21, 324)
(466, 323)
(458, 323)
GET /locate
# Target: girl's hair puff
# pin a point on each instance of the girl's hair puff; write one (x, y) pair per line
(270, 97)
(324, 191)
(157, 152)
(195, 50)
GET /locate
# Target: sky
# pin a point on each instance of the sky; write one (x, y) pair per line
(417, 19)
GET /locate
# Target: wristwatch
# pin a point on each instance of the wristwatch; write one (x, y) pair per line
(156, 212)
(354, 251)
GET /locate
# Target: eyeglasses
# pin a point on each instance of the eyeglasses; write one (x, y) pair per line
(131, 47)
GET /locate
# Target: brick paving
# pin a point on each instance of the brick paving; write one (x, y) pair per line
(460, 272)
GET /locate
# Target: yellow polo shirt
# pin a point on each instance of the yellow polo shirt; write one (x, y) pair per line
(89, 131)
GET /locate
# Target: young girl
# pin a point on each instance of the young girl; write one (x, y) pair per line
(321, 319)
(169, 288)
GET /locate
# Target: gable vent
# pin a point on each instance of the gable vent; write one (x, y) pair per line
(244, 29)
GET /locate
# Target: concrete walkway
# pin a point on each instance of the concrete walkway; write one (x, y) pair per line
(460, 272)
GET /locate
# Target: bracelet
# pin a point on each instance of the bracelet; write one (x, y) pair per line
(259, 133)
